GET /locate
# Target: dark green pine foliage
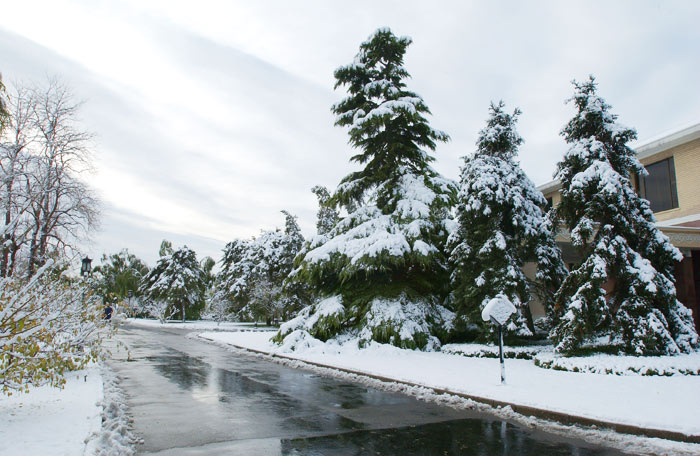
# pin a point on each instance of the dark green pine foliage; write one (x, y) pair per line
(178, 279)
(388, 251)
(501, 226)
(624, 286)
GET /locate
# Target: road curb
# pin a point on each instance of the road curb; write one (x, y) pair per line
(560, 417)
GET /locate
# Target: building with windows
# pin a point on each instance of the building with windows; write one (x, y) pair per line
(673, 190)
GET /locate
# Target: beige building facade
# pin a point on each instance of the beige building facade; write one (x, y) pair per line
(673, 190)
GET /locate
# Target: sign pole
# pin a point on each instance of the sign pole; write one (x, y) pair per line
(498, 310)
(500, 351)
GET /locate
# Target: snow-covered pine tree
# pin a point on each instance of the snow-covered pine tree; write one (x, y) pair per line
(384, 260)
(178, 279)
(501, 226)
(237, 264)
(269, 257)
(622, 249)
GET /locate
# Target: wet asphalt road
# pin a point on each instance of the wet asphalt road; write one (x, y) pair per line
(188, 397)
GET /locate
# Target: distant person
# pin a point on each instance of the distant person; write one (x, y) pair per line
(108, 312)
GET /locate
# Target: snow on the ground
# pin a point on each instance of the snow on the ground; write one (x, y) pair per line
(688, 364)
(202, 325)
(115, 437)
(658, 402)
(50, 420)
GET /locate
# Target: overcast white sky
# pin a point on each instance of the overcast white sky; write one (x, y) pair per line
(212, 116)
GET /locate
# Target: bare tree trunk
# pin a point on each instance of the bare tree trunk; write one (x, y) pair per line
(32, 262)
(6, 238)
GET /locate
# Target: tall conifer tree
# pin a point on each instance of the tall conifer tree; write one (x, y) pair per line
(385, 258)
(501, 226)
(624, 287)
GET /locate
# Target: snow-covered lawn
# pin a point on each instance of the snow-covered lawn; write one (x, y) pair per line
(202, 325)
(657, 402)
(53, 421)
(87, 417)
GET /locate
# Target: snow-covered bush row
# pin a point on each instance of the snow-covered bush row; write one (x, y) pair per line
(687, 364)
(49, 325)
(491, 351)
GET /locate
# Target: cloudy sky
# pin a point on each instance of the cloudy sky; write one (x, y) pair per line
(212, 116)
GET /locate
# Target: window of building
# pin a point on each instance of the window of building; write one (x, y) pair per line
(550, 203)
(659, 187)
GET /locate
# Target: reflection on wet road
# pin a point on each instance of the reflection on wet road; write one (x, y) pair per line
(192, 398)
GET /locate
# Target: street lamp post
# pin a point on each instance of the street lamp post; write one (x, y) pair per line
(86, 267)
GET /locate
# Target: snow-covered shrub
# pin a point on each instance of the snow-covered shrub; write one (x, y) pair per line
(218, 308)
(49, 325)
(401, 321)
(491, 351)
(299, 340)
(321, 320)
(687, 364)
(405, 323)
(266, 300)
(160, 309)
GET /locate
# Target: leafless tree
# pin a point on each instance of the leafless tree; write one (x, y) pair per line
(14, 158)
(46, 203)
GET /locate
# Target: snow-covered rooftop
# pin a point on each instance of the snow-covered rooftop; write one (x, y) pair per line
(667, 140)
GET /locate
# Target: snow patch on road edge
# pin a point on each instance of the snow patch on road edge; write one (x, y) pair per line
(115, 438)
